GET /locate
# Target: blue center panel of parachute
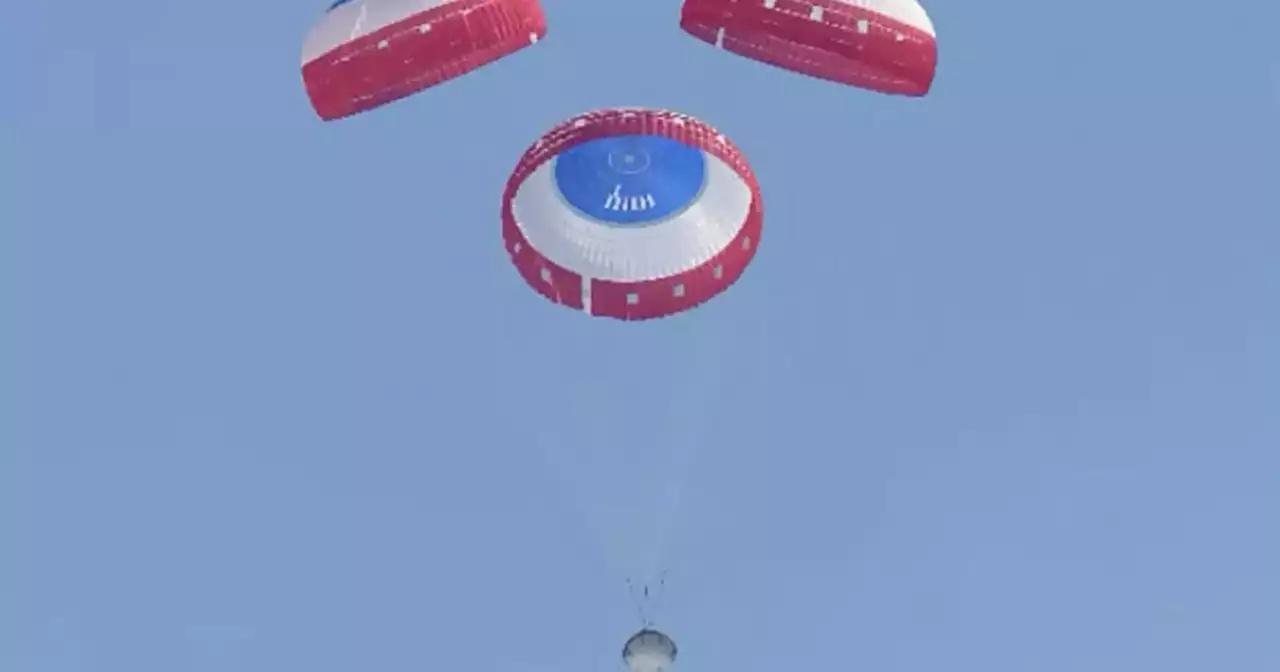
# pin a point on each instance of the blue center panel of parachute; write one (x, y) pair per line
(630, 179)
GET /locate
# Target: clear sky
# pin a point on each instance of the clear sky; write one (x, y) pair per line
(1000, 393)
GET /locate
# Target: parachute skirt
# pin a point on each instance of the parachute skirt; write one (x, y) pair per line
(887, 46)
(365, 53)
(629, 268)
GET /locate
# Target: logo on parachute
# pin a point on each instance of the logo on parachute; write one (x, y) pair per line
(630, 180)
(616, 202)
(632, 160)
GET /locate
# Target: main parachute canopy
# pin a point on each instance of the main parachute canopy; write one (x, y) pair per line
(881, 45)
(631, 213)
(361, 54)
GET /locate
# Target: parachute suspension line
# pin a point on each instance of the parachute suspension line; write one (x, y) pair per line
(687, 431)
(638, 603)
(647, 598)
(660, 591)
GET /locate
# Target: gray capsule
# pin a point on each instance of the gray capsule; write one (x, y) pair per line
(649, 651)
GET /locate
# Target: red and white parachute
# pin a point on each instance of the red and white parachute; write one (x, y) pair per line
(631, 213)
(882, 45)
(364, 53)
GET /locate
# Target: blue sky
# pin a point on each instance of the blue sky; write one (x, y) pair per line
(999, 392)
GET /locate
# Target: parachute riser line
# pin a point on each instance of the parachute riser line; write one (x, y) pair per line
(647, 598)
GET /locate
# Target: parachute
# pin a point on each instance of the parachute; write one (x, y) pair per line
(631, 213)
(887, 46)
(361, 54)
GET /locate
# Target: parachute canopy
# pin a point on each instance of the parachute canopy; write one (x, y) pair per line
(364, 53)
(631, 213)
(882, 45)
(649, 651)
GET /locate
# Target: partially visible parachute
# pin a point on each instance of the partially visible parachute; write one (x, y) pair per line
(887, 46)
(361, 54)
